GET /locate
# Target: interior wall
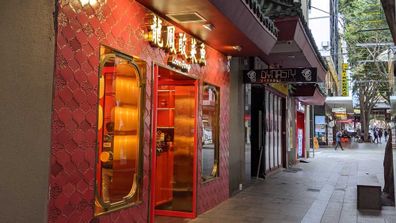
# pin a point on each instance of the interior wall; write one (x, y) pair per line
(27, 55)
(237, 132)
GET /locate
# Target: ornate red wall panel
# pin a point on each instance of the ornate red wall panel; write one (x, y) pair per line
(80, 31)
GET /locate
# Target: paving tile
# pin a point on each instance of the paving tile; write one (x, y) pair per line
(324, 191)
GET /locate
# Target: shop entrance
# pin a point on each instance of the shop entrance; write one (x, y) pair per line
(173, 187)
(268, 131)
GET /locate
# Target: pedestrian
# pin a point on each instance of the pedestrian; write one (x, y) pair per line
(375, 136)
(386, 134)
(379, 135)
(338, 140)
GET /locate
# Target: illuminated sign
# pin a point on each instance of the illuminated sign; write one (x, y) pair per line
(344, 80)
(184, 50)
(300, 107)
(179, 64)
(290, 75)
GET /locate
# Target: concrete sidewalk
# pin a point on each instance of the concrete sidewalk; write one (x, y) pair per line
(323, 190)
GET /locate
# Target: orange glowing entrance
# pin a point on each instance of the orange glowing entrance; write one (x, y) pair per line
(173, 187)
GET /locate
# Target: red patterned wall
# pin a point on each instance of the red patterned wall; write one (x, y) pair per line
(81, 30)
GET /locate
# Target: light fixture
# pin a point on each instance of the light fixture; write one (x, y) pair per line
(208, 26)
(237, 48)
(86, 2)
(93, 2)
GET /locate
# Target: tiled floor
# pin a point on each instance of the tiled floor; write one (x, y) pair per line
(324, 190)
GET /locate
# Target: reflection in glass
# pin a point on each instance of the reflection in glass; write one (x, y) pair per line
(120, 98)
(210, 131)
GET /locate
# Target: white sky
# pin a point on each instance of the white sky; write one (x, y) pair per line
(320, 28)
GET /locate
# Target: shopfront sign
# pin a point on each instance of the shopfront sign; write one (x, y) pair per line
(288, 75)
(183, 50)
(344, 80)
(300, 107)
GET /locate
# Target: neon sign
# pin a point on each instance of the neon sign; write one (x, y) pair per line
(184, 50)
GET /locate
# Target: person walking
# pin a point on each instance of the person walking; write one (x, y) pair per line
(386, 134)
(338, 140)
(375, 132)
(379, 135)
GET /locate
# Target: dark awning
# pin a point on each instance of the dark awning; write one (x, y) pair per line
(389, 9)
(295, 47)
(309, 94)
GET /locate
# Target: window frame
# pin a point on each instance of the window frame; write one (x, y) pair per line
(215, 174)
(135, 198)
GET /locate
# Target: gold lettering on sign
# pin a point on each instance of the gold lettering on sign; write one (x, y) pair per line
(193, 51)
(155, 35)
(182, 45)
(202, 55)
(170, 40)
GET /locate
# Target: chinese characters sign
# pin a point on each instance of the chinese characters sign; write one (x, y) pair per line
(183, 50)
(289, 75)
(344, 80)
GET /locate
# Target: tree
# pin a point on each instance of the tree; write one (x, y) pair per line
(366, 36)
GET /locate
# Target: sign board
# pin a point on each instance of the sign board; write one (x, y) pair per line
(344, 80)
(339, 110)
(183, 50)
(287, 75)
(300, 107)
(330, 135)
(300, 142)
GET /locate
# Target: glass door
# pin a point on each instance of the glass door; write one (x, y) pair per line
(174, 145)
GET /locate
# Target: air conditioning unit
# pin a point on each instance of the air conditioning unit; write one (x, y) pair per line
(325, 45)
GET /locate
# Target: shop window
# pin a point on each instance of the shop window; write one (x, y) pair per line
(210, 131)
(119, 146)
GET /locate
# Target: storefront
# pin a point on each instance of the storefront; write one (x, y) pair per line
(268, 125)
(141, 117)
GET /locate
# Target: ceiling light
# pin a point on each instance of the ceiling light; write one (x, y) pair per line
(237, 48)
(208, 26)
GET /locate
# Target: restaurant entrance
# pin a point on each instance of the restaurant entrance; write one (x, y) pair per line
(174, 150)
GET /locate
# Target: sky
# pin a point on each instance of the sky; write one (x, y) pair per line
(320, 27)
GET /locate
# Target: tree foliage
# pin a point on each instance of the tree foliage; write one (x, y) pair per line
(365, 33)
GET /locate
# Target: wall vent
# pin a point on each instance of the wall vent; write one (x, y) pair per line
(186, 17)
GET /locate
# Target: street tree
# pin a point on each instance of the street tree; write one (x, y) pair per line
(367, 40)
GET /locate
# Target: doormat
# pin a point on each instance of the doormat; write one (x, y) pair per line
(292, 170)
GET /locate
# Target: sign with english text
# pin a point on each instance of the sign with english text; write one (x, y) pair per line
(284, 75)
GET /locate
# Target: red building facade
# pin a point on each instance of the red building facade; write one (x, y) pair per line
(120, 25)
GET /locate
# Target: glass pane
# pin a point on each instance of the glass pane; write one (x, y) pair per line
(280, 131)
(210, 131)
(271, 133)
(267, 135)
(118, 131)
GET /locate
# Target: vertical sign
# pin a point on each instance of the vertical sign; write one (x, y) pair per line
(344, 80)
(300, 142)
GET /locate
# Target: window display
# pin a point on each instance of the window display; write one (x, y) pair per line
(210, 131)
(118, 173)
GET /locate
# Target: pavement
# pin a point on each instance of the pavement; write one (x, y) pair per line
(322, 190)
